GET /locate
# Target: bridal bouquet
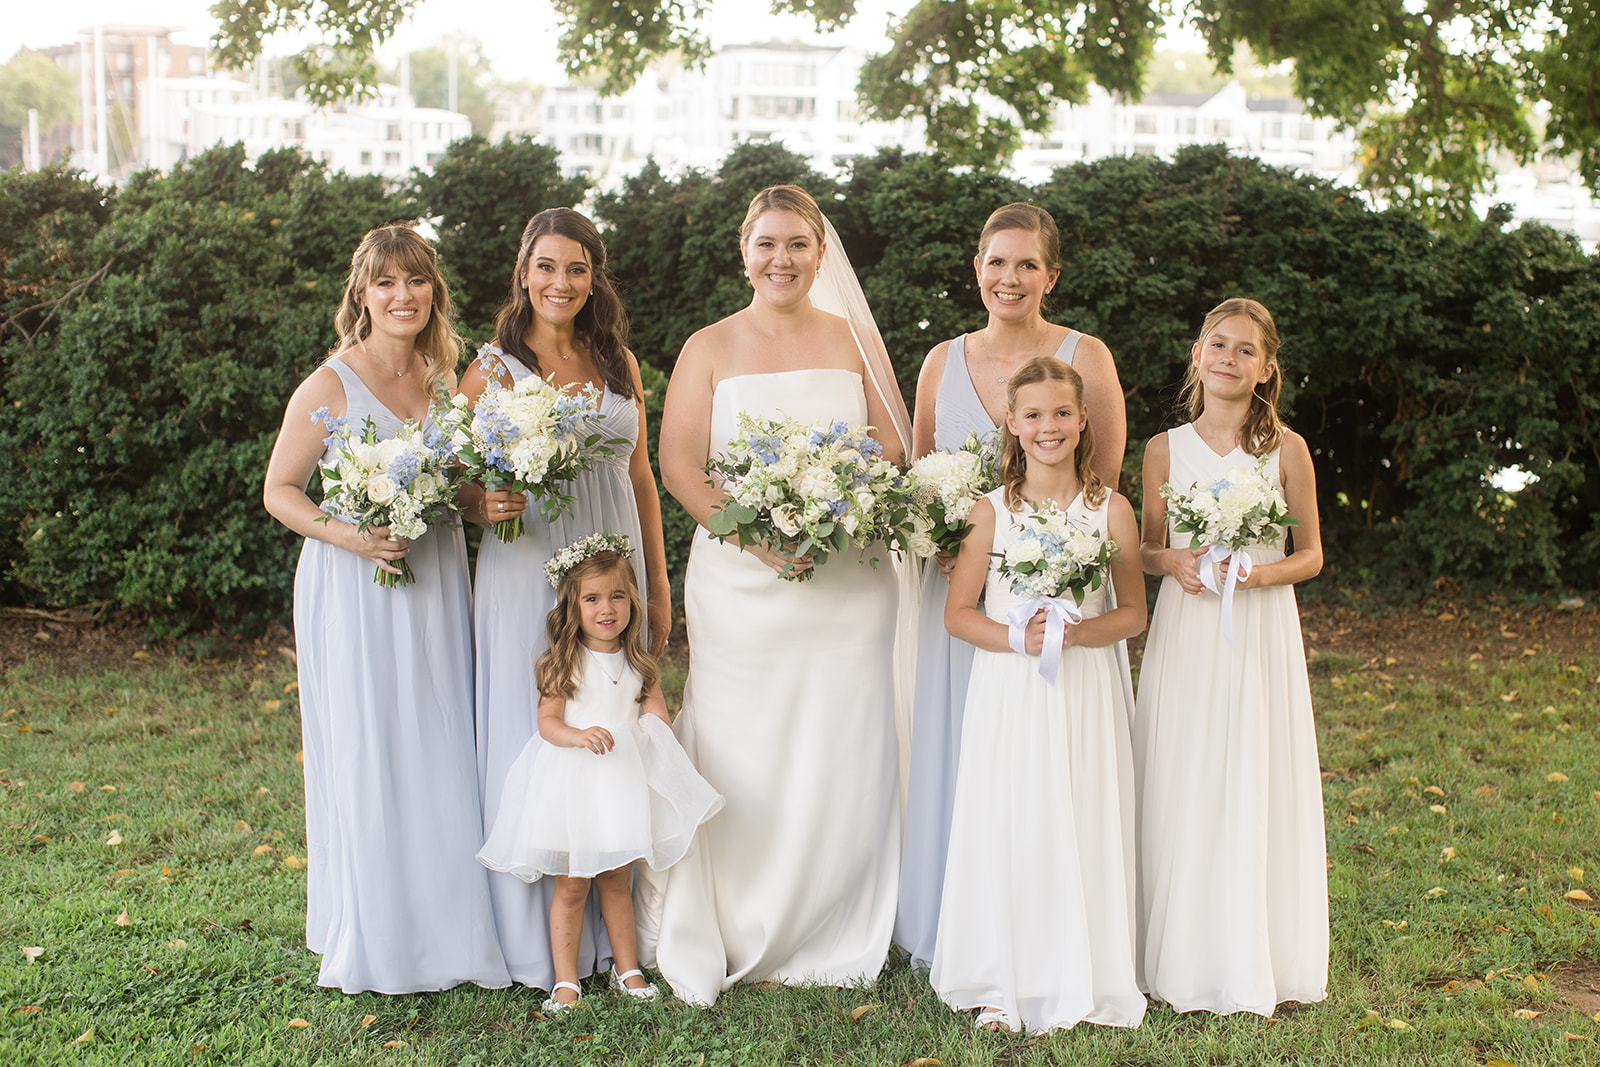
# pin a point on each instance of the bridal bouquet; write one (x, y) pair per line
(529, 437)
(1241, 508)
(943, 487)
(808, 489)
(1054, 558)
(402, 482)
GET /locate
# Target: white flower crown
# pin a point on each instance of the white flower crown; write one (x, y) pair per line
(581, 550)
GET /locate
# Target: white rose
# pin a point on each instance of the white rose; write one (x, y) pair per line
(865, 501)
(818, 483)
(783, 517)
(922, 545)
(380, 488)
(850, 522)
(1025, 551)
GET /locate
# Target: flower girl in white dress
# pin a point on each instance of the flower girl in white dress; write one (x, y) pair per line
(603, 783)
(1232, 864)
(1036, 920)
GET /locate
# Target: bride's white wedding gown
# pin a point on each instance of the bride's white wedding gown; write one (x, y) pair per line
(789, 714)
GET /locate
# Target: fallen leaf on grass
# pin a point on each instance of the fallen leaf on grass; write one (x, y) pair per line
(300, 758)
(1450, 986)
(123, 920)
(1437, 891)
(114, 839)
(26, 1009)
(856, 1015)
(368, 1020)
(1527, 1014)
(76, 787)
(924, 1061)
(32, 952)
(108, 789)
(141, 654)
(261, 850)
(1578, 894)
(1438, 809)
(1555, 776)
(1398, 1024)
(1401, 925)
(298, 1024)
(1435, 790)
(1530, 983)
(294, 863)
(1365, 849)
(1509, 697)
(290, 687)
(1496, 1063)
(1576, 874)
(1544, 909)
(269, 706)
(1573, 1037)
(394, 1044)
(85, 1036)
(177, 942)
(1447, 854)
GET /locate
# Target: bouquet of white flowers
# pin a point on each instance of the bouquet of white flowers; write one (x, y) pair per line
(529, 437)
(943, 488)
(806, 489)
(1053, 563)
(403, 482)
(1239, 509)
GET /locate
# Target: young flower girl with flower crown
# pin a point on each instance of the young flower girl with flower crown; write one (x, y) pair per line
(1232, 876)
(1036, 921)
(604, 783)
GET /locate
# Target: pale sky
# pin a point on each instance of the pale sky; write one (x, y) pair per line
(518, 38)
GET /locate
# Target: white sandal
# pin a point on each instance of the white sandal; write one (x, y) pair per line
(993, 1015)
(554, 1006)
(648, 991)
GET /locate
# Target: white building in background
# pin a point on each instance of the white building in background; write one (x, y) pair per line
(1276, 131)
(164, 103)
(803, 96)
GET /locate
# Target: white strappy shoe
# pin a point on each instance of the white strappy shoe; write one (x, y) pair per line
(554, 1006)
(648, 991)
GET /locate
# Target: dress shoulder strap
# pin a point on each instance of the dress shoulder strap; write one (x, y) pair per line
(1068, 349)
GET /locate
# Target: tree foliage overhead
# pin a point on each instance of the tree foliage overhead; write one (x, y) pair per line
(1435, 88)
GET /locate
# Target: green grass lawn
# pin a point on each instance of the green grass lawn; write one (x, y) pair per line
(152, 898)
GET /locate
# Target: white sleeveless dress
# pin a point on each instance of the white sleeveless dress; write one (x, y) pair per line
(1037, 916)
(512, 599)
(395, 902)
(789, 714)
(943, 666)
(1232, 858)
(571, 812)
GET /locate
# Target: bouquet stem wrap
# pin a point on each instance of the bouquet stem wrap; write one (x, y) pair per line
(1059, 610)
(1242, 566)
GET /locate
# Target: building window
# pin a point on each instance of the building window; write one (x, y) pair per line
(392, 133)
(783, 107)
(366, 159)
(1221, 128)
(1307, 130)
(1275, 128)
(1189, 125)
(391, 159)
(619, 111)
(1145, 124)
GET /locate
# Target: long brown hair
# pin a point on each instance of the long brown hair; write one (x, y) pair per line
(560, 669)
(1030, 217)
(1263, 428)
(601, 323)
(1014, 462)
(400, 247)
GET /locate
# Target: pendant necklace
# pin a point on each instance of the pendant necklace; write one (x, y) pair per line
(363, 343)
(596, 657)
(989, 352)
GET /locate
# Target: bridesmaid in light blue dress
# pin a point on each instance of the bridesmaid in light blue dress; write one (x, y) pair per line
(396, 903)
(962, 391)
(563, 321)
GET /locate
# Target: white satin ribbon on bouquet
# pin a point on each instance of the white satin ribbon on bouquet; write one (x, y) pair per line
(1059, 611)
(1219, 554)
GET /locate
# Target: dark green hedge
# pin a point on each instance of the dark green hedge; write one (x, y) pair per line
(151, 335)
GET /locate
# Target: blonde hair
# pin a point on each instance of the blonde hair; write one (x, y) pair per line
(1014, 462)
(1263, 429)
(560, 668)
(783, 198)
(401, 248)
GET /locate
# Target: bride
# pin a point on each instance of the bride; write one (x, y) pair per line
(789, 705)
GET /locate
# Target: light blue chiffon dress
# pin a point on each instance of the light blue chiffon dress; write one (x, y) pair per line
(513, 599)
(395, 901)
(944, 664)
